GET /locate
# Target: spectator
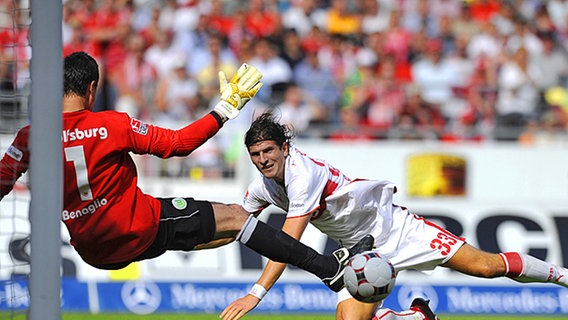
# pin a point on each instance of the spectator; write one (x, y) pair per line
(552, 62)
(420, 18)
(484, 10)
(161, 54)
(543, 22)
(523, 36)
(444, 8)
(113, 56)
(79, 41)
(518, 96)
(153, 30)
(298, 111)
(277, 73)
(558, 10)
(177, 96)
(396, 40)
(374, 17)
(298, 16)
(435, 76)
(205, 62)
(351, 127)
(219, 21)
(446, 35)
(338, 55)
(67, 21)
(193, 37)
(359, 87)
(136, 80)
(486, 44)
(185, 17)
(341, 20)
(475, 120)
(316, 39)
(167, 14)
(463, 25)
(215, 54)
(504, 19)
(291, 50)
(104, 22)
(480, 95)
(418, 119)
(262, 19)
(317, 82)
(16, 44)
(387, 97)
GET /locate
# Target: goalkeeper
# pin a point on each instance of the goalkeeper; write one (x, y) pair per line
(111, 221)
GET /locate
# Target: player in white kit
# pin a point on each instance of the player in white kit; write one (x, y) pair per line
(312, 191)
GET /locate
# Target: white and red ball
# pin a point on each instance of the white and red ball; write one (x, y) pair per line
(369, 277)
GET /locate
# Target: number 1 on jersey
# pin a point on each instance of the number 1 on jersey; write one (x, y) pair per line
(77, 156)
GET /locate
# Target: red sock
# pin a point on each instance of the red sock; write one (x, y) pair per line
(513, 264)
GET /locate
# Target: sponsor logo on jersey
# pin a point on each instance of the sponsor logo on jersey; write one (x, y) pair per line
(78, 134)
(296, 205)
(90, 209)
(139, 126)
(179, 203)
(15, 153)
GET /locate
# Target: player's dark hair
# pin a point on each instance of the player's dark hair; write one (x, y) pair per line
(79, 70)
(266, 127)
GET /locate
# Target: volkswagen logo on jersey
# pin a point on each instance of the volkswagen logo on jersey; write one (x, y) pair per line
(179, 203)
(141, 297)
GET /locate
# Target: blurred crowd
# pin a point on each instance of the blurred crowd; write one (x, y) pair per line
(448, 70)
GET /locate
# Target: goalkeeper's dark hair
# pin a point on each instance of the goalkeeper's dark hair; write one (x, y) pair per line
(79, 70)
(266, 127)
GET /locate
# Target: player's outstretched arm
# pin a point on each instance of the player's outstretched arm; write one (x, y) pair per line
(243, 86)
(272, 272)
(238, 308)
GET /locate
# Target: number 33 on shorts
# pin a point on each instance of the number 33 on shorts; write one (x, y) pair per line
(444, 243)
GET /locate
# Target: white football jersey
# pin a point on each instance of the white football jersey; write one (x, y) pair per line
(345, 210)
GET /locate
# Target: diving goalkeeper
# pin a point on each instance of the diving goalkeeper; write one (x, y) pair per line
(112, 222)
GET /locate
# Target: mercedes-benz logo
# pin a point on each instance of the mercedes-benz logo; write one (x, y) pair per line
(407, 293)
(141, 297)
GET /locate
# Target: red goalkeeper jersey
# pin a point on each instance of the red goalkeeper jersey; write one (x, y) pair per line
(15, 162)
(109, 219)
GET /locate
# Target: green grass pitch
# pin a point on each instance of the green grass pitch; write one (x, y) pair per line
(257, 316)
(281, 317)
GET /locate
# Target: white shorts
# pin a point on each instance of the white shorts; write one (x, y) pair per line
(415, 243)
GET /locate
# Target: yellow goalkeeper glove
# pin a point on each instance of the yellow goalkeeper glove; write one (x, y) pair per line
(235, 94)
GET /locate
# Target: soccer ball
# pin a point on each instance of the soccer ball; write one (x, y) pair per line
(369, 277)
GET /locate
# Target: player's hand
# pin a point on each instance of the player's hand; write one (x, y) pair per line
(239, 308)
(236, 93)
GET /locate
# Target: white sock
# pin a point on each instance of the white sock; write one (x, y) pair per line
(388, 314)
(524, 268)
(247, 229)
(542, 271)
